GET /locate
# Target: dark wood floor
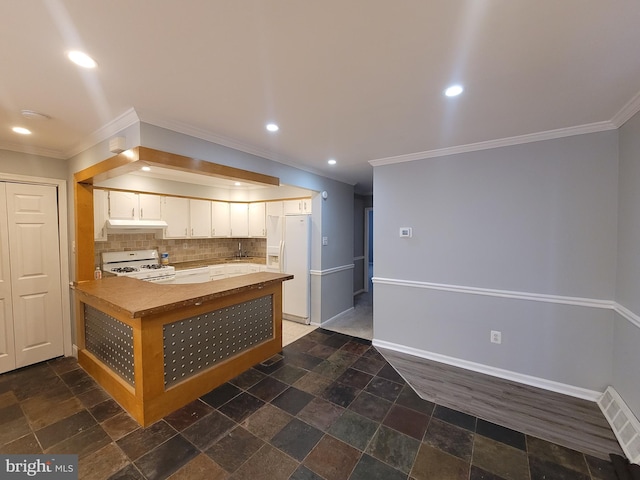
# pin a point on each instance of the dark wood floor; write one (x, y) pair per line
(574, 423)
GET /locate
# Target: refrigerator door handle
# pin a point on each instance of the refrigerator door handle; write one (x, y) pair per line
(281, 256)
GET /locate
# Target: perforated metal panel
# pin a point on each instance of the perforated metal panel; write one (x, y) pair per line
(109, 340)
(196, 343)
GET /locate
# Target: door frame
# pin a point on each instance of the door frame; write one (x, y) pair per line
(61, 186)
(367, 227)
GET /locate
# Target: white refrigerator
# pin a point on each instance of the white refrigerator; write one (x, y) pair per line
(292, 245)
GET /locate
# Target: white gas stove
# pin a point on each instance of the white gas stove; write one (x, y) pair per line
(141, 264)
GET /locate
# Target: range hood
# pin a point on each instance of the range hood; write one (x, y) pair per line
(135, 224)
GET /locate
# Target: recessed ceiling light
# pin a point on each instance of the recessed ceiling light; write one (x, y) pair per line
(237, 184)
(453, 90)
(21, 130)
(81, 59)
(146, 168)
(272, 127)
(332, 162)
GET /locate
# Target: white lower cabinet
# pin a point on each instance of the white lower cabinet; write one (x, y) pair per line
(236, 269)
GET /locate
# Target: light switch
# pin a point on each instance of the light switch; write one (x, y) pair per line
(325, 241)
(406, 232)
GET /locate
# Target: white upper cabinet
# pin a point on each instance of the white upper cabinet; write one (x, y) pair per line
(297, 207)
(175, 211)
(239, 213)
(134, 206)
(200, 218)
(257, 225)
(220, 219)
(275, 209)
(186, 218)
(100, 214)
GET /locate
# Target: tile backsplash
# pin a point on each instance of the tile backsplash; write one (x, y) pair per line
(182, 250)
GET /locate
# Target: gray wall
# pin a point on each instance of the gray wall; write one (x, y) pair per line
(32, 165)
(540, 219)
(626, 346)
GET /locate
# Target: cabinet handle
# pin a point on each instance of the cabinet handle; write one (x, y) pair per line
(192, 232)
(141, 213)
(185, 232)
(213, 232)
(133, 213)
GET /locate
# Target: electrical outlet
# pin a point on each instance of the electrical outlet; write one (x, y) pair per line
(496, 336)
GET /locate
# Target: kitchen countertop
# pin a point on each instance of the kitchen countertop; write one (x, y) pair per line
(217, 261)
(137, 298)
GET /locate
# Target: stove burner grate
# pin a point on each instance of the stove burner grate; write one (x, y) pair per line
(124, 269)
(153, 266)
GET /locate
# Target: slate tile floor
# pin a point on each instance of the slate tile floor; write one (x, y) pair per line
(329, 408)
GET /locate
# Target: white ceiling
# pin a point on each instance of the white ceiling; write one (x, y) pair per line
(354, 80)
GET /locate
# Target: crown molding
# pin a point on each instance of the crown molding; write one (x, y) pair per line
(125, 120)
(502, 142)
(629, 110)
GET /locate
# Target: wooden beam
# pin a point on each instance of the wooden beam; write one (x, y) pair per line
(202, 167)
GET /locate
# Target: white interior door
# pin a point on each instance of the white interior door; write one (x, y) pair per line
(32, 218)
(7, 348)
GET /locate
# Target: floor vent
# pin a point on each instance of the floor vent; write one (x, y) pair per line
(624, 424)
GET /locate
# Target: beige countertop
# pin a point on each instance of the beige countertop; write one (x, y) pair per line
(136, 298)
(216, 261)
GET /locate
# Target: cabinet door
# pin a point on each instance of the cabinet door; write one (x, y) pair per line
(123, 205)
(274, 209)
(150, 206)
(220, 219)
(175, 211)
(297, 207)
(305, 206)
(200, 218)
(257, 226)
(100, 214)
(239, 219)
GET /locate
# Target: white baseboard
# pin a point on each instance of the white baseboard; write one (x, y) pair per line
(623, 422)
(545, 384)
(74, 350)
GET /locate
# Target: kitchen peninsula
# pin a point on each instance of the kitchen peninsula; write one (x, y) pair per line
(157, 347)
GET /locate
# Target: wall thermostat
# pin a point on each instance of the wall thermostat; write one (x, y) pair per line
(405, 232)
(325, 195)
